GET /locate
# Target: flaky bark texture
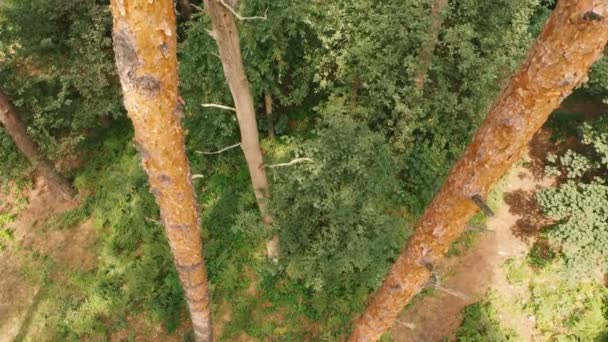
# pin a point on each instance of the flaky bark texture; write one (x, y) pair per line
(226, 35)
(426, 51)
(572, 40)
(145, 47)
(15, 128)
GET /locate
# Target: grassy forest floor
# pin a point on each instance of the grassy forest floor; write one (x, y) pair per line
(40, 263)
(42, 259)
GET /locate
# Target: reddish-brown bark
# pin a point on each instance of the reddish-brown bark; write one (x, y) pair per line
(145, 47)
(15, 128)
(226, 35)
(571, 41)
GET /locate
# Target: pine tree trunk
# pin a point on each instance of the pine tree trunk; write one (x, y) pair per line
(428, 47)
(15, 128)
(227, 37)
(571, 41)
(145, 46)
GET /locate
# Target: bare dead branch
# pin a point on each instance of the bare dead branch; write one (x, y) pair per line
(410, 326)
(219, 151)
(239, 17)
(454, 293)
(198, 8)
(214, 105)
(295, 161)
(212, 34)
(477, 228)
(151, 220)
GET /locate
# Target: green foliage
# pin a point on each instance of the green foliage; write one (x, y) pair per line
(578, 206)
(340, 74)
(465, 241)
(336, 216)
(597, 86)
(371, 49)
(70, 218)
(517, 271)
(540, 255)
(564, 308)
(6, 236)
(13, 163)
(563, 124)
(481, 323)
(135, 272)
(278, 51)
(57, 67)
(480, 44)
(567, 310)
(277, 55)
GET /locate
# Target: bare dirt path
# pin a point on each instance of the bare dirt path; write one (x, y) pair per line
(466, 279)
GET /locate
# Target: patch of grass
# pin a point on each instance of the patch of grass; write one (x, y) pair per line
(36, 267)
(517, 271)
(564, 124)
(481, 323)
(567, 309)
(540, 255)
(6, 235)
(464, 242)
(71, 218)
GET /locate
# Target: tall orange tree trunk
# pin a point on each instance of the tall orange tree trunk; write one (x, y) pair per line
(226, 35)
(571, 41)
(15, 128)
(145, 46)
(426, 51)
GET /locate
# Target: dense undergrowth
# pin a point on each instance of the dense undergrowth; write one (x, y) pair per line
(340, 74)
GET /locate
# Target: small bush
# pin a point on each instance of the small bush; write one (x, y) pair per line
(6, 236)
(480, 323)
(336, 216)
(578, 206)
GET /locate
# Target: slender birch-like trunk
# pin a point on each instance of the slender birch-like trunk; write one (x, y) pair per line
(15, 128)
(268, 110)
(145, 46)
(428, 47)
(226, 35)
(571, 41)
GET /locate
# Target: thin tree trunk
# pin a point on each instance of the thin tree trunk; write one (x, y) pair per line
(145, 46)
(428, 47)
(15, 128)
(268, 109)
(354, 92)
(226, 35)
(185, 9)
(572, 40)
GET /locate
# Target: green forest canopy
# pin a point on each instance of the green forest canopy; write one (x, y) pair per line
(341, 76)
